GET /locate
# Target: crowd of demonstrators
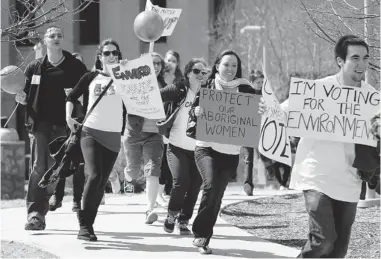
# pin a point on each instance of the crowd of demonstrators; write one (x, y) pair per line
(44, 97)
(180, 151)
(101, 133)
(329, 173)
(216, 162)
(324, 170)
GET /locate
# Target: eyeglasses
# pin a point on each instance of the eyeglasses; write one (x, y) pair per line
(197, 71)
(107, 53)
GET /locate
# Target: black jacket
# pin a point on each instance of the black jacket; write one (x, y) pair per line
(32, 89)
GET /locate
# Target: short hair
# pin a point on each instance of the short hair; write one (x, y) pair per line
(218, 60)
(255, 74)
(341, 48)
(109, 41)
(54, 27)
(191, 63)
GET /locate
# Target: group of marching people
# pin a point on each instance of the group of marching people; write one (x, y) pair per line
(323, 169)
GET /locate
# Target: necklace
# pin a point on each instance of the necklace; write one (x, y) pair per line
(59, 61)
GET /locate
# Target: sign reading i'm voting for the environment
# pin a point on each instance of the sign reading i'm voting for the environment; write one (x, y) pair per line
(328, 111)
(170, 16)
(274, 142)
(229, 118)
(136, 82)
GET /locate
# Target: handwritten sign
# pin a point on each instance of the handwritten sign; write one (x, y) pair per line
(229, 118)
(170, 17)
(329, 111)
(274, 142)
(137, 84)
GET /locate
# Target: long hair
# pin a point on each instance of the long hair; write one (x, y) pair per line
(191, 63)
(160, 76)
(178, 73)
(218, 60)
(109, 41)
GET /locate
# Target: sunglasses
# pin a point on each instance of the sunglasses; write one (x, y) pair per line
(107, 53)
(197, 71)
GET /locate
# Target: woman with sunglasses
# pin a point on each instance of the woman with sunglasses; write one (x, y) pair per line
(216, 162)
(180, 153)
(101, 133)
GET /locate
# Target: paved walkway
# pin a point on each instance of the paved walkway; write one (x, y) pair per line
(122, 233)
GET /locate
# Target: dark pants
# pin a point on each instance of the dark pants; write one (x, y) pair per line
(216, 169)
(330, 224)
(99, 162)
(186, 181)
(166, 175)
(37, 199)
(78, 185)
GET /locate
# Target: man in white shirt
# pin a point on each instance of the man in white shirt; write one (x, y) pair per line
(323, 169)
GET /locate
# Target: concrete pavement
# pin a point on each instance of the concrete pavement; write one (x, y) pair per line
(122, 233)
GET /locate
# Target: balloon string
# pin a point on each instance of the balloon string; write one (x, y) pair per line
(5, 125)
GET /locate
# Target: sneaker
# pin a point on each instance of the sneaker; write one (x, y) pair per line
(248, 189)
(205, 250)
(76, 206)
(35, 224)
(200, 242)
(128, 187)
(54, 203)
(151, 217)
(183, 228)
(169, 223)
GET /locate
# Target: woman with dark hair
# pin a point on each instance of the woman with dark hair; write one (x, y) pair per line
(216, 162)
(101, 133)
(172, 70)
(180, 154)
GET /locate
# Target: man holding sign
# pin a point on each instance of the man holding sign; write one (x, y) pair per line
(323, 168)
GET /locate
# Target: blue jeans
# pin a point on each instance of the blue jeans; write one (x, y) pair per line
(146, 146)
(37, 199)
(186, 181)
(330, 223)
(216, 170)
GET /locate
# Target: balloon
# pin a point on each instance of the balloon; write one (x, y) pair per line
(148, 26)
(12, 79)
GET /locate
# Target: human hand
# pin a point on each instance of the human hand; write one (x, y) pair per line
(262, 107)
(21, 97)
(124, 62)
(67, 91)
(71, 123)
(199, 111)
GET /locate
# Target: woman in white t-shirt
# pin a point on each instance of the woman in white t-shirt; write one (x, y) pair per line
(216, 162)
(101, 133)
(180, 154)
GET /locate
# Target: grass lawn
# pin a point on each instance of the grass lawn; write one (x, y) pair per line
(283, 220)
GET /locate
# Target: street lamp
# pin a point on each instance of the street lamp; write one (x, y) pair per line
(255, 28)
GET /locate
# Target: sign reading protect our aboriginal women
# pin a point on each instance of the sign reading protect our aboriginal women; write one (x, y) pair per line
(328, 111)
(229, 118)
(170, 17)
(137, 84)
(274, 142)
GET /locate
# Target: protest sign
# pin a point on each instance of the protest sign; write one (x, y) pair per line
(136, 82)
(229, 118)
(329, 111)
(274, 142)
(170, 16)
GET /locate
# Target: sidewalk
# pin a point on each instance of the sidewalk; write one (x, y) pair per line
(122, 233)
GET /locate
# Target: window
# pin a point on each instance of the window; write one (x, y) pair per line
(89, 24)
(163, 4)
(22, 10)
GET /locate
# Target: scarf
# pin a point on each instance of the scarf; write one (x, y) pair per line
(222, 84)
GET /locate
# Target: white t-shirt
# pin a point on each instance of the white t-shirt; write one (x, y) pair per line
(107, 115)
(326, 166)
(178, 135)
